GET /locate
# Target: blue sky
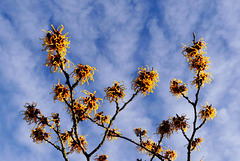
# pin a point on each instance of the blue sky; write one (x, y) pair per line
(117, 37)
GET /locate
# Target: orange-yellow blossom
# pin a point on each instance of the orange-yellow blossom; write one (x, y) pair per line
(83, 73)
(207, 112)
(196, 143)
(146, 81)
(39, 134)
(165, 128)
(151, 146)
(61, 92)
(139, 132)
(177, 88)
(115, 92)
(55, 41)
(170, 154)
(31, 113)
(75, 147)
(102, 157)
(91, 102)
(202, 78)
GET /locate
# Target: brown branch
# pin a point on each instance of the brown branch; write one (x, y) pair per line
(204, 121)
(73, 113)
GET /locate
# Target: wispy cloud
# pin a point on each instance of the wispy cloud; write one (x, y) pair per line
(117, 38)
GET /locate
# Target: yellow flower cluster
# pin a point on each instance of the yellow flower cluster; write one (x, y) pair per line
(55, 41)
(207, 112)
(39, 134)
(196, 142)
(167, 127)
(31, 113)
(61, 92)
(170, 154)
(201, 79)
(55, 62)
(80, 110)
(198, 62)
(43, 121)
(101, 157)
(55, 119)
(151, 146)
(139, 132)
(91, 102)
(75, 147)
(115, 92)
(177, 88)
(56, 44)
(179, 123)
(112, 134)
(83, 73)
(145, 81)
(66, 137)
(101, 119)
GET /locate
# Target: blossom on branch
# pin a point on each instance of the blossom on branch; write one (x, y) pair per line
(177, 88)
(170, 154)
(101, 119)
(179, 123)
(207, 112)
(83, 73)
(202, 78)
(112, 134)
(146, 81)
(151, 146)
(102, 157)
(196, 143)
(61, 92)
(31, 113)
(55, 41)
(139, 132)
(91, 102)
(115, 92)
(75, 147)
(56, 62)
(39, 134)
(165, 128)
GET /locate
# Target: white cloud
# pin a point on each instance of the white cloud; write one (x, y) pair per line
(106, 35)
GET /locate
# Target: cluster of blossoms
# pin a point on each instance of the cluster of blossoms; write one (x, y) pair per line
(195, 143)
(56, 44)
(84, 106)
(74, 146)
(167, 127)
(207, 112)
(83, 73)
(170, 154)
(39, 134)
(145, 81)
(177, 88)
(115, 92)
(154, 148)
(112, 134)
(101, 119)
(62, 93)
(33, 115)
(66, 137)
(91, 102)
(198, 62)
(151, 146)
(139, 132)
(102, 157)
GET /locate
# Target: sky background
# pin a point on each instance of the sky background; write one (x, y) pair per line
(117, 37)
